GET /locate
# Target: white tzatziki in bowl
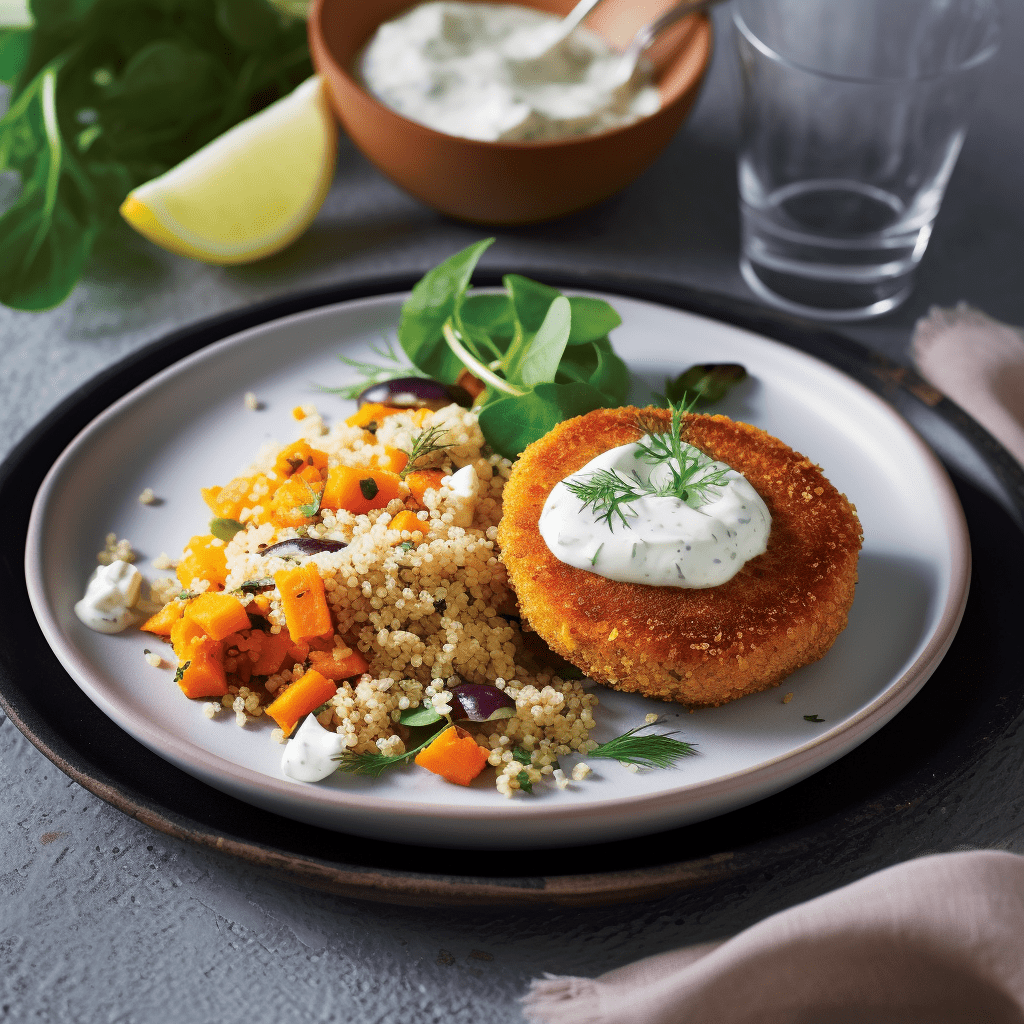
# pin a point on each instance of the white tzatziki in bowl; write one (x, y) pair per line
(657, 514)
(473, 70)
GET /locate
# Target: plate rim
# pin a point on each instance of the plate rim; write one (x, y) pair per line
(891, 381)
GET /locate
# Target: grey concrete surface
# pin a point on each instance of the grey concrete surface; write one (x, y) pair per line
(103, 919)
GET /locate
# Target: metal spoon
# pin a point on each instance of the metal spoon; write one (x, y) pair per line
(547, 41)
(643, 39)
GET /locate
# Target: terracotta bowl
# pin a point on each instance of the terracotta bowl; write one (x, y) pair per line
(508, 182)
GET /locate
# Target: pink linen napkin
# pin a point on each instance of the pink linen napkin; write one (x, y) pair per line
(979, 363)
(938, 940)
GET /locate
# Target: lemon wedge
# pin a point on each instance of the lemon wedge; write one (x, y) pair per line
(249, 192)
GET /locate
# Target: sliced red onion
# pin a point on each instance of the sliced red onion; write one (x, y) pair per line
(479, 702)
(298, 547)
(415, 393)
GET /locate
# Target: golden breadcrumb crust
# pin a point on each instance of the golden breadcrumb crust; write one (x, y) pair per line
(783, 609)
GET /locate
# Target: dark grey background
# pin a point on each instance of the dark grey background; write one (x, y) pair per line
(102, 919)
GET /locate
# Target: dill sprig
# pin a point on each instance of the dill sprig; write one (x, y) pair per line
(371, 373)
(692, 476)
(423, 444)
(657, 751)
(374, 765)
(691, 479)
(608, 493)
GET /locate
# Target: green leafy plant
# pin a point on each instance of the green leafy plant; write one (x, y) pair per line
(107, 94)
(543, 357)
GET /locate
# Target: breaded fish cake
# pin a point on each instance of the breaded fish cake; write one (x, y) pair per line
(702, 647)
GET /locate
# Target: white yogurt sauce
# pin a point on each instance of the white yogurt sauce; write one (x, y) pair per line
(463, 69)
(110, 595)
(309, 755)
(665, 541)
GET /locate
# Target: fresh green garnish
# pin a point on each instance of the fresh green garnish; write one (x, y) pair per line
(593, 561)
(389, 365)
(225, 529)
(703, 384)
(375, 764)
(524, 782)
(312, 508)
(255, 586)
(522, 756)
(657, 751)
(813, 718)
(612, 494)
(423, 715)
(369, 488)
(179, 673)
(609, 494)
(105, 95)
(423, 444)
(542, 356)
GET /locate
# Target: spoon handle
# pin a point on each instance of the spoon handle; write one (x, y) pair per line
(576, 15)
(649, 32)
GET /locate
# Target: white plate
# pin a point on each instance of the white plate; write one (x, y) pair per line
(188, 428)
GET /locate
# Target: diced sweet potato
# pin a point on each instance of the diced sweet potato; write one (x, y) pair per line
(205, 560)
(304, 602)
(297, 496)
(298, 456)
(306, 694)
(218, 614)
(370, 414)
(160, 624)
(422, 480)
(407, 520)
(202, 673)
(359, 490)
(353, 664)
(454, 755)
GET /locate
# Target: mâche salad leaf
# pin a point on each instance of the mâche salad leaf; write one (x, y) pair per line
(107, 94)
(542, 356)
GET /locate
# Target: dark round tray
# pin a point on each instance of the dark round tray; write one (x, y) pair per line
(830, 817)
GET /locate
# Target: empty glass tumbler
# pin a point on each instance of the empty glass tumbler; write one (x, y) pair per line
(854, 113)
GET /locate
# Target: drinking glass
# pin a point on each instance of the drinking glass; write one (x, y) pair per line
(853, 116)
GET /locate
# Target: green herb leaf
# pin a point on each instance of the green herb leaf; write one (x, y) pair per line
(540, 362)
(703, 384)
(592, 319)
(433, 301)
(369, 488)
(14, 50)
(423, 444)
(423, 715)
(524, 782)
(395, 365)
(225, 529)
(375, 764)
(312, 508)
(256, 586)
(655, 751)
(522, 756)
(813, 718)
(510, 424)
(693, 474)
(107, 94)
(179, 673)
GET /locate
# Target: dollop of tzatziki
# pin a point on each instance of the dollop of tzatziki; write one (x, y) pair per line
(110, 595)
(697, 541)
(472, 70)
(309, 756)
